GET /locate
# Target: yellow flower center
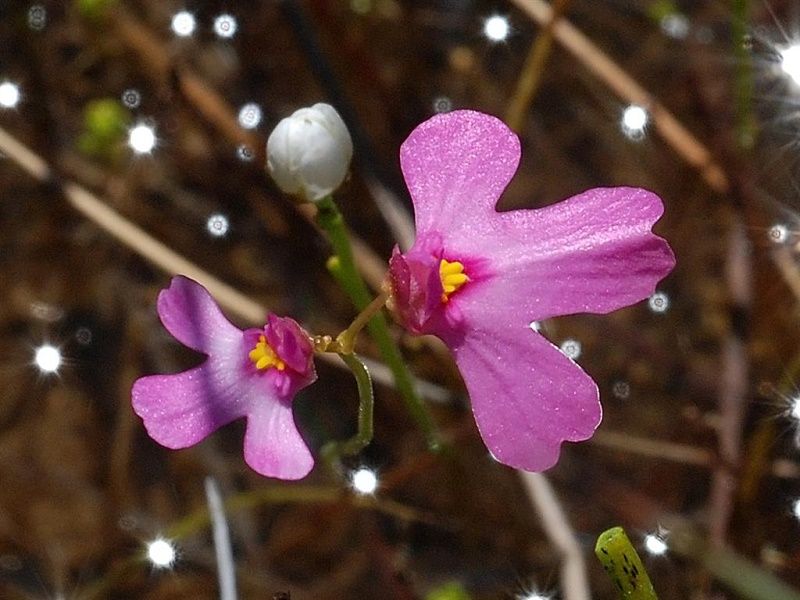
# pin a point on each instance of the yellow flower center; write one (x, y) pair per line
(264, 357)
(452, 276)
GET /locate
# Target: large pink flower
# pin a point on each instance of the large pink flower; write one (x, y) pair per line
(253, 373)
(476, 278)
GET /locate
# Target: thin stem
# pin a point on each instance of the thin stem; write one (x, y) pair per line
(366, 403)
(294, 494)
(330, 219)
(532, 70)
(222, 541)
(574, 581)
(279, 494)
(745, 120)
(347, 339)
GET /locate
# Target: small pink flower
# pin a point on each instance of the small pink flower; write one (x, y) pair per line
(476, 278)
(253, 373)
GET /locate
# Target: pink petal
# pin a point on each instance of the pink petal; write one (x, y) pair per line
(272, 444)
(181, 410)
(591, 253)
(190, 314)
(456, 165)
(526, 395)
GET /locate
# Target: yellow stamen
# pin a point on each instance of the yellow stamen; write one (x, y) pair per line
(452, 276)
(264, 357)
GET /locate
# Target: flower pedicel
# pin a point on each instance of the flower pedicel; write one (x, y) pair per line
(476, 278)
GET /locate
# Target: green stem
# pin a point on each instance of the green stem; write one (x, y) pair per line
(366, 401)
(623, 565)
(745, 120)
(343, 267)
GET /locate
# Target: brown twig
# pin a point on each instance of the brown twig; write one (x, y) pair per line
(161, 255)
(682, 141)
(732, 392)
(531, 75)
(679, 453)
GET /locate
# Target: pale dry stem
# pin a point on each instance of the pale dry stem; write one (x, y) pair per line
(574, 582)
(597, 62)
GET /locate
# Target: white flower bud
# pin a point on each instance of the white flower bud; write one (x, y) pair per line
(308, 154)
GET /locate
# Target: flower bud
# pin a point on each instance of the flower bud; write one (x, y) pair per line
(308, 153)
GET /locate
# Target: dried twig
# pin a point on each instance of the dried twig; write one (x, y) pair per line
(733, 390)
(651, 448)
(787, 266)
(679, 453)
(574, 583)
(621, 83)
(531, 76)
(158, 253)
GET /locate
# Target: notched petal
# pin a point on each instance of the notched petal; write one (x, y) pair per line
(527, 396)
(273, 446)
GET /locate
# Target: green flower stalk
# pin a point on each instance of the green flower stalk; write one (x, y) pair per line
(308, 156)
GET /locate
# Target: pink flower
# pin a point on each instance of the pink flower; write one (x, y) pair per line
(253, 373)
(476, 278)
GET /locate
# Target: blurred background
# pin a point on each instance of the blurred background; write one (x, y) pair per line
(160, 110)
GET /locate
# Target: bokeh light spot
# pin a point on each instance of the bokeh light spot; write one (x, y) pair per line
(218, 225)
(225, 26)
(364, 481)
(496, 28)
(161, 553)
(655, 544)
(48, 358)
(250, 115)
(634, 121)
(790, 62)
(183, 23)
(9, 94)
(572, 348)
(142, 138)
